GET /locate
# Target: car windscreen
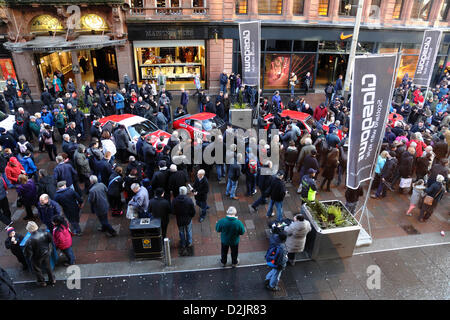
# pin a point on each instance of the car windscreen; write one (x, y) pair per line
(310, 121)
(3, 116)
(207, 124)
(146, 126)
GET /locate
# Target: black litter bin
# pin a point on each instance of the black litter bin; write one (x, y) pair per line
(146, 238)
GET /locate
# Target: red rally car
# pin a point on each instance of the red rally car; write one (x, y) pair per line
(306, 121)
(199, 124)
(134, 125)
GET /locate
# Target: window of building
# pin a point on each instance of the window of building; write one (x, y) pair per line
(137, 3)
(398, 6)
(179, 61)
(298, 7)
(166, 3)
(348, 7)
(323, 7)
(375, 9)
(270, 6)
(241, 6)
(198, 4)
(421, 9)
(279, 45)
(388, 48)
(305, 46)
(443, 13)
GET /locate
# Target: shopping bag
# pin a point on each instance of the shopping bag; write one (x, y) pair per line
(405, 182)
(132, 213)
(311, 194)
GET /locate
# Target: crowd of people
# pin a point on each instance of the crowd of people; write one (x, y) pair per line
(94, 161)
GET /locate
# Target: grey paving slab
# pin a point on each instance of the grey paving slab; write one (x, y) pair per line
(325, 295)
(249, 224)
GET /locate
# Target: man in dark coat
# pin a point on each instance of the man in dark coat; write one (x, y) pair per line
(387, 175)
(160, 178)
(103, 170)
(98, 199)
(264, 181)
(46, 98)
(38, 250)
(47, 209)
(12, 243)
(121, 140)
(149, 157)
(277, 191)
(201, 189)
(184, 210)
(160, 208)
(7, 140)
(71, 203)
(177, 179)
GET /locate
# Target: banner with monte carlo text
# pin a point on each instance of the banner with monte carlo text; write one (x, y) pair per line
(371, 96)
(250, 42)
(427, 57)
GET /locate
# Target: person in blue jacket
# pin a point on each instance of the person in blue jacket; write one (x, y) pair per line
(28, 164)
(119, 101)
(47, 209)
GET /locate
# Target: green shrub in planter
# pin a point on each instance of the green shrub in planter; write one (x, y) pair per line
(329, 216)
(238, 105)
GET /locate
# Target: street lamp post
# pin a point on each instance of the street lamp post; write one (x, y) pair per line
(351, 59)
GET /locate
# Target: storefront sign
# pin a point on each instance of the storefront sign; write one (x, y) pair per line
(427, 57)
(164, 32)
(250, 39)
(371, 97)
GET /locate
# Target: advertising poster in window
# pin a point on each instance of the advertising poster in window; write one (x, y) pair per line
(302, 64)
(276, 75)
(7, 69)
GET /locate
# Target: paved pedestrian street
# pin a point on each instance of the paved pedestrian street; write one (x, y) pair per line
(419, 273)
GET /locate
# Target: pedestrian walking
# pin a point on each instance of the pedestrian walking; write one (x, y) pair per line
(160, 209)
(184, 210)
(47, 209)
(115, 188)
(433, 194)
(12, 243)
(71, 203)
(5, 213)
(38, 250)
(418, 192)
(98, 199)
(26, 195)
(277, 191)
(230, 229)
(201, 189)
(62, 237)
(296, 236)
(276, 258)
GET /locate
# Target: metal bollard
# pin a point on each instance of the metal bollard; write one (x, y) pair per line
(167, 252)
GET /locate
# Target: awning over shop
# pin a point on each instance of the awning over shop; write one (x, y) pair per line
(58, 43)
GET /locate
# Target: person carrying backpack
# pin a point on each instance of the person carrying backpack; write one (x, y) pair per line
(276, 258)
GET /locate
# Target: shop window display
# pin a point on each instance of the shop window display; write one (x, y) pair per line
(178, 64)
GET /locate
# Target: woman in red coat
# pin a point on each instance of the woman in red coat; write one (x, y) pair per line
(13, 170)
(62, 237)
(420, 145)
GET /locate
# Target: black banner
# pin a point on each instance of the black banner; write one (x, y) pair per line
(249, 36)
(427, 57)
(371, 96)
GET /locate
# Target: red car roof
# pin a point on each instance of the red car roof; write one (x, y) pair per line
(115, 118)
(201, 116)
(296, 115)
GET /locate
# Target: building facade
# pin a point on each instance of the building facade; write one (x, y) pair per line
(185, 38)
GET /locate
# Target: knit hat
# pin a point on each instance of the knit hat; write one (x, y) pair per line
(9, 230)
(32, 226)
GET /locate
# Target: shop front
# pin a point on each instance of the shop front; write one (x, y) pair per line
(86, 54)
(6, 67)
(321, 52)
(179, 61)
